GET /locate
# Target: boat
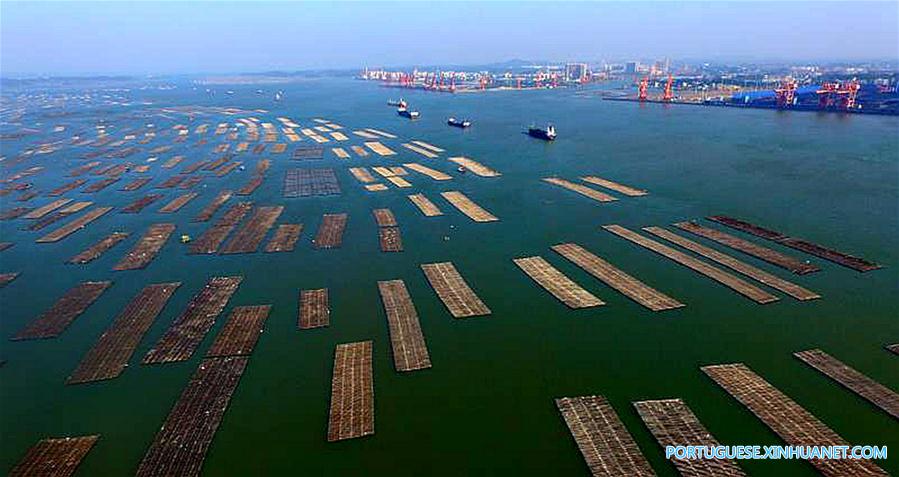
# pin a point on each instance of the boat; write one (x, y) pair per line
(548, 134)
(459, 123)
(185, 238)
(402, 111)
(401, 103)
(279, 95)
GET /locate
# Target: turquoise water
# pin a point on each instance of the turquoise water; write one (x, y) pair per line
(485, 408)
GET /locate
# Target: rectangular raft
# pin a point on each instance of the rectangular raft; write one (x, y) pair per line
(390, 239)
(795, 425)
(7, 278)
(178, 202)
(314, 309)
(140, 204)
(454, 292)
(310, 182)
(248, 238)
(352, 411)
(330, 232)
(410, 352)
(384, 217)
(147, 248)
(187, 331)
(626, 190)
(420, 150)
(556, 283)
(54, 321)
(379, 148)
(617, 279)
(738, 285)
(96, 250)
(67, 187)
(432, 173)
(110, 354)
(468, 207)
(74, 226)
(135, 184)
(213, 207)
(46, 209)
(475, 167)
(425, 205)
(580, 189)
(607, 447)
(56, 457)
(285, 238)
(241, 332)
(212, 238)
(427, 146)
(362, 175)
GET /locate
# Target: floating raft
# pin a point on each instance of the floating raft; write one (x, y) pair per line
(147, 248)
(773, 257)
(181, 444)
(390, 239)
(398, 181)
(626, 190)
(339, 152)
(309, 182)
(173, 181)
(187, 331)
(384, 217)
(459, 298)
(432, 173)
(248, 238)
(67, 187)
(893, 348)
(228, 168)
(427, 146)
(468, 207)
(425, 205)
(381, 133)
(173, 162)
(617, 279)
(135, 184)
(213, 206)
(379, 148)
(57, 216)
(46, 209)
(178, 202)
(786, 418)
(607, 447)
(366, 134)
(834, 256)
(352, 411)
(241, 332)
(330, 232)
(420, 150)
(54, 457)
(410, 352)
(139, 204)
(110, 354)
(340, 136)
(100, 185)
(555, 282)
(672, 423)
(96, 250)
(7, 278)
(362, 175)
(359, 151)
(212, 238)
(375, 187)
(878, 394)
(15, 213)
(314, 309)
(251, 185)
(580, 189)
(475, 167)
(762, 276)
(738, 285)
(308, 152)
(54, 321)
(74, 226)
(285, 238)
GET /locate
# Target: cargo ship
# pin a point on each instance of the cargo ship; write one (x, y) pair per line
(401, 103)
(402, 111)
(548, 134)
(464, 123)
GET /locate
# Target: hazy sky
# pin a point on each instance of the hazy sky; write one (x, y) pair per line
(190, 37)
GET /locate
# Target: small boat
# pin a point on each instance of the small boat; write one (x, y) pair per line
(402, 111)
(229, 92)
(279, 95)
(461, 169)
(185, 238)
(548, 134)
(459, 123)
(401, 103)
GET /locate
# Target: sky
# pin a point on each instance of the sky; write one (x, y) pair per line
(73, 38)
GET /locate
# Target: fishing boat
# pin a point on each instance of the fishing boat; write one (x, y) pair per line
(401, 103)
(459, 123)
(404, 112)
(547, 134)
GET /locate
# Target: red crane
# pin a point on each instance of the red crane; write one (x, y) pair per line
(641, 88)
(848, 94)
(826, 94)
(786, 93)
(668, 95)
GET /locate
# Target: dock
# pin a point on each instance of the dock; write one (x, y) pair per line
(74, 226)
(213, 207)
(140, 204)
(410, 352)
(390, 239)
(285, 238)
(736, 284)
(453, 291)
(763, 253)
(241, 332)
(468, 207)
(617, 279)
(352, 411)
(475, 167)
(248, 238)
(786, 418)
(556, 283)
(56, 457)
(672, 423)
(314, 309)
(607, 447)
(212, 238)
(178, 202)
(330, 232)
(759, 275)
(96, 250)
(877, 394)
(310, 182)
(379, 148)
(425, 205)
(384, 217)
(432, 173)
(182, 442)
(54, 321)
(109, 356)
(146, 248)
(621, 188)
(580, 189)
(187, 331)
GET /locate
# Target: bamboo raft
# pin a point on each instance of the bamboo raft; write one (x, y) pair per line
(100, 185)
(187, 331)
(181, 444)
(366, 134)
(15, 213)
(738, 285)
(362, 175)
(5, 245)
(178, 202)
(580, 189)
(626, 190)
(352, 411)
(54, 321)
(879, 395)
(314, 309)
(786, 418)
(310, 182)
(211, 166)
(241, 332)
(174, 161)
(427, 146)
(46, 209)
(251, 185)
(285, 238)
(109, 356)
(425, 205)
(390, 239)
(67, 187)
(340, 153)
(7, 278)
(59, 457)
(672, 423)
(893, 348)
(212, 238)
(308, 152)
(384, 217)
(420, 150)
(248, 238)
(135, 184)
(194, 167)
(279, 148)
(74, 226)
(140, 204)
(468, 207)
(96, 250)
(617, 279)
(375, 187)
(475, 167)
(228, 168)
(762, 276)
(173, 181)
(83, 169)
(147, 248)
(835, 256)
(607, 447)
(410, 352)
(771, 256)
(381, 133)
(556, 283)
(453, 291)
(359, 151)
(190, 182)
(432, 173)
(399, 181)
(57, 216)
(330, 232)
(379, 148)
(213, 206)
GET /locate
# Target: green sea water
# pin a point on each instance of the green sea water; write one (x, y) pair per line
(486, 407)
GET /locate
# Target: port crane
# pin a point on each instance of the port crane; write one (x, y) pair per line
(668, 95)
(786, 94)
(641, 88)
(842, 95)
